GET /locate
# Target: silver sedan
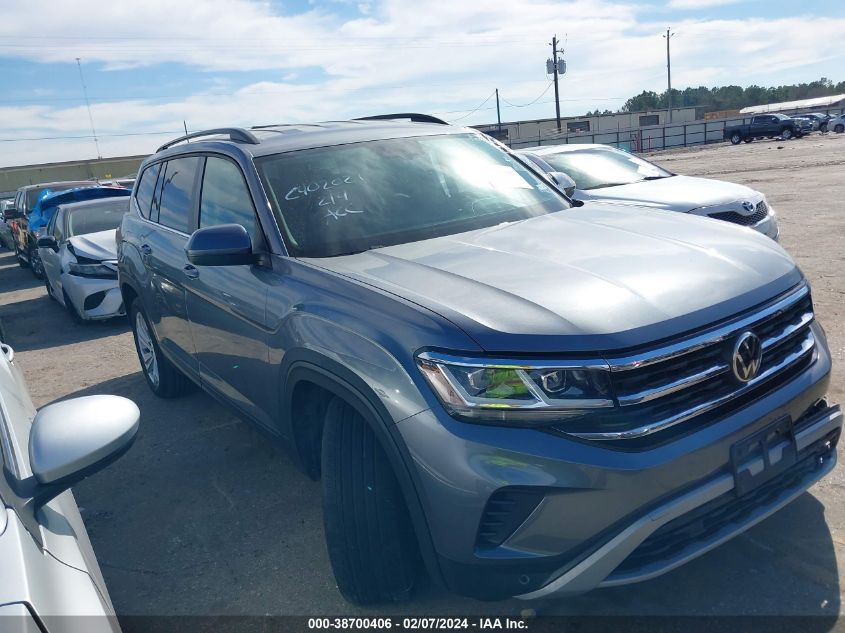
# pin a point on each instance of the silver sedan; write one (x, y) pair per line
(79, 255)
(49, 571)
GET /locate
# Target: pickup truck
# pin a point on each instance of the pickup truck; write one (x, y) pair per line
(17, 216)
(764, 126)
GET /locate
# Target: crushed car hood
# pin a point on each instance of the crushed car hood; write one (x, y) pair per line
(677, 193)
(101, 245)
(592, 278)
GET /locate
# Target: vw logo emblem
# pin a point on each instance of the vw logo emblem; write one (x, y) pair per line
(747, 357)
(748, 206)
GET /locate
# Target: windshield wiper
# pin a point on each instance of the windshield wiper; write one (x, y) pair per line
(655, 177)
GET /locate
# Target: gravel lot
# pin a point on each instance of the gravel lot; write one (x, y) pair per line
(205, 516)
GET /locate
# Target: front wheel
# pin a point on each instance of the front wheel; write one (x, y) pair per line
(736, 138)
(35, 263)
(369, 536)
(786, 134)
(839, 129)
(163, 378)
(22, 262)
(749, 139)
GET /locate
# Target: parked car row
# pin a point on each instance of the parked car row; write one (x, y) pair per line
(472, 348)
(777, 125)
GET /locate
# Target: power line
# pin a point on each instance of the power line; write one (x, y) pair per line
(476, 109)
(525, 105)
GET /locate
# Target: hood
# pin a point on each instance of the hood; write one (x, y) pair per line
(678, 193)
(591, 278)
(100, 246)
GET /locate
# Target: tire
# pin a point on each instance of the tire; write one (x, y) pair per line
(748, 140)
(371, 543)
(786, 134)
(35, 263)
(823, 128)
(49, 289)
(736, 138)
(72, 310)
(162, 376)
(19, 256)
(839, 129)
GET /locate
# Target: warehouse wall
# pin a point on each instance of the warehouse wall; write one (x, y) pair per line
(13, 177)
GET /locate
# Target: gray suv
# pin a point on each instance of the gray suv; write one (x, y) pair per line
(524, 396)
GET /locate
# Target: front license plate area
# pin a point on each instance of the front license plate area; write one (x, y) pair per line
(764, 455)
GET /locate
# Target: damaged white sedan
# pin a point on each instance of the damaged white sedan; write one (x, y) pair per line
(80, 258)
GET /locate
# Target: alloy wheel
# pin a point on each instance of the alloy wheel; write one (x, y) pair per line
(146, 349)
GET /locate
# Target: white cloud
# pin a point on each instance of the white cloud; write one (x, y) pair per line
(700, 4)
(403, 55)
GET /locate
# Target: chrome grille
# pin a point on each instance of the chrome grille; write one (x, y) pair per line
(760, 213)
(683, 381)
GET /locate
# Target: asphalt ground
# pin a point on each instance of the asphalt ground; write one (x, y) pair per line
(205, 516)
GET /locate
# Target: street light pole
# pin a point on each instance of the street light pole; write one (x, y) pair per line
(88, 105)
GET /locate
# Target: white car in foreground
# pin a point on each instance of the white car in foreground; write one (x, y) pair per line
(79, 253)
(601, 172)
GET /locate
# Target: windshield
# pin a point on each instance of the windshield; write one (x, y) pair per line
(348, 198)
(103, 216)
(598, 167)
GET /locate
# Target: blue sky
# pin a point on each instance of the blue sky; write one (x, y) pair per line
(149, 65)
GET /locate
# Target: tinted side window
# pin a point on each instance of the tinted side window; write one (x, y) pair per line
(145, 188)
(225, 196)
(177, 191)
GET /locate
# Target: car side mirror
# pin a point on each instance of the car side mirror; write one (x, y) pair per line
(221, 245)
(11, 214)
(73, 439)
(564, 182)
(48, 241)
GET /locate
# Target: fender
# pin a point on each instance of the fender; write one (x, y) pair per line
(307, 365)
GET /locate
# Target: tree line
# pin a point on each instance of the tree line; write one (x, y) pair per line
(729, 97)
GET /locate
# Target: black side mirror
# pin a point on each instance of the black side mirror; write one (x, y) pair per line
(48, 241)
(11, 214)
(221, 245)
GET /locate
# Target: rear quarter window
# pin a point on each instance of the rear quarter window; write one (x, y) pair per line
(177, 193)
(146, 187)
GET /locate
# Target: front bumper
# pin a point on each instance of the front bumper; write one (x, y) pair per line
(94, 299)
(599, 502)
(816, 442)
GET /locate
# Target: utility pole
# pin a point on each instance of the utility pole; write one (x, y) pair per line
(554, 70)
(498, 114)
(88, 105)
(668, 37)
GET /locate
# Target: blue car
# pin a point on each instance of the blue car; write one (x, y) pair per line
(31, 226)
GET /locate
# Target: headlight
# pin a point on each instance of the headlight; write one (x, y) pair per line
(516, 392)
(97, 269)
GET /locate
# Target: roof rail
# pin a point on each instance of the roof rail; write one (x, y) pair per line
(413, 116)
(237, 134)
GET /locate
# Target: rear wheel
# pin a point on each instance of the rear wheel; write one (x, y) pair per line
(736, 138)
(369, 535)
(748, 140)
(786, 134)
(163, 378)
(839, 128)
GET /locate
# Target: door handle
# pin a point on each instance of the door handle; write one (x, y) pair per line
(191, 272)
(146, 249)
